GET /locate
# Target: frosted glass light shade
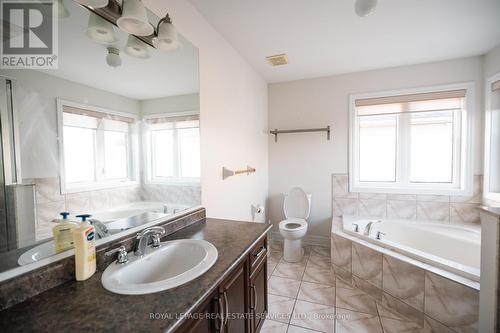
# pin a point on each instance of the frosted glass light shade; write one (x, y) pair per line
(113, 58)
(134, 19)
(365, 7)
(136, 48)
(93, 3)
(167, 36)
(100, 30)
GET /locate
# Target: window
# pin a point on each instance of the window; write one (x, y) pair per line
(174, 149)
(97, 148)
(412, 142)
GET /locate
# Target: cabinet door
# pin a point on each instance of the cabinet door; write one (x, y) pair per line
(258, 296)
(233, 299)
(202, 320)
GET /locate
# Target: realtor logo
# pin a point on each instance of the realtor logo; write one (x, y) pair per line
(29, 36)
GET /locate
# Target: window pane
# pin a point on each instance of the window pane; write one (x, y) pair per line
(163, 157)
(377, 148)
(115, 155)
(189, 151)
(431, 147)
(79, 157)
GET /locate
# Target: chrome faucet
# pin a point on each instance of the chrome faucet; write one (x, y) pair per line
(100, 228)
(369, 226)
(142, 239)
(165, 209)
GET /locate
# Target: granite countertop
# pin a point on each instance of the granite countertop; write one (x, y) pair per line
(87, 306)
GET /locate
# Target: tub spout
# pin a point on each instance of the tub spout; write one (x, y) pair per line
(369, 227)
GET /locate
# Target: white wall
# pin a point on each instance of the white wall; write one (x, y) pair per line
(180, 103)
(36, 95)
(309, 160)
(492, 62)
(233, 111)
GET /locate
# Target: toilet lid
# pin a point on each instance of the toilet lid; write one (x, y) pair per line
(296, 204)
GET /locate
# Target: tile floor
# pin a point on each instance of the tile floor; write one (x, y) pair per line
(308, 297)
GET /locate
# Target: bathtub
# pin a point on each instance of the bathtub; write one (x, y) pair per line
(453, 248)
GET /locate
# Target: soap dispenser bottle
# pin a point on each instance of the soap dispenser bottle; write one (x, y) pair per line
(63, 233)
(85, 258)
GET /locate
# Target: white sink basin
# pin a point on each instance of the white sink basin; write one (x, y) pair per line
(173, 264)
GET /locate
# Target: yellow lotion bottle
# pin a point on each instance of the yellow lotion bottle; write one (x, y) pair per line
(63, 234)
(84, 238)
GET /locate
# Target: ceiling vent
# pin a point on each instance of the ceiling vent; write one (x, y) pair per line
(277, 60)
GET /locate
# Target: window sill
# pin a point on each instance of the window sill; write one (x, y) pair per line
(428, 189)
(99, 186)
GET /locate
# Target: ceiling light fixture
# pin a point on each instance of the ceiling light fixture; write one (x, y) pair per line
(113, 58)
(134, 19)
(364, 8)
(93, 3)
(100, 30)
(136, 48)
(62, 11)
(167, 35)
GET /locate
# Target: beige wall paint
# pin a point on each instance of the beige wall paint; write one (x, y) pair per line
(309, 160)
(233, 105)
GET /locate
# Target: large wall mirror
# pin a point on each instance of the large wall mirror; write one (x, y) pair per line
(112, 133)
(492, 141)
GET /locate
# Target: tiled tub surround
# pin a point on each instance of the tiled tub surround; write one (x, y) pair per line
(441, 208)
(24, 286)
(425, 295)
(311, 297)
(429, 242)
(50, 202)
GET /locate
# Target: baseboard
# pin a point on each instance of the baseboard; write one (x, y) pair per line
(308, 239)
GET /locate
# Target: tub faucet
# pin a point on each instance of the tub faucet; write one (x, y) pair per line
(165, 209)
(100, 228)
(369, 226)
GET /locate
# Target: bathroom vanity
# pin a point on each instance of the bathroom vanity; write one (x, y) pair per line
(230, 297)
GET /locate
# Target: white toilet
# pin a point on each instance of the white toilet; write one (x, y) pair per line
(296, 207)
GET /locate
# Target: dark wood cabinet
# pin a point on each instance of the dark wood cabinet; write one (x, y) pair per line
(258, 296)
(239, 304)
(233, 300)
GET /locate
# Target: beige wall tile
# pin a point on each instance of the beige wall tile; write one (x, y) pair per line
(367, 264)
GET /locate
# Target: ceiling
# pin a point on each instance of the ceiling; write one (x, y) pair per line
(82, 60)
(326, 37)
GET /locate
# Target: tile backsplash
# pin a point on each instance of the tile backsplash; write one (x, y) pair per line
(50, 202)
(442, 208)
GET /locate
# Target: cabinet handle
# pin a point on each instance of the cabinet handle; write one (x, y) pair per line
(221, 313)
(226, 304)
(254, 307)
(262, 249)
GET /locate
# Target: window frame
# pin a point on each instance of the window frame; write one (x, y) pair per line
(147, 156)
(462, 182)
(487, 194)
(100, 184)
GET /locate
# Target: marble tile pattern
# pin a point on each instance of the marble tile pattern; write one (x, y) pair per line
(402, 296)
(355, 305)
(50, 202)
(404, 281)
(439, 208)
(367, 264)
(451, 303)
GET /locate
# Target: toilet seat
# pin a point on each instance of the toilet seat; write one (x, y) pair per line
(293, 225)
